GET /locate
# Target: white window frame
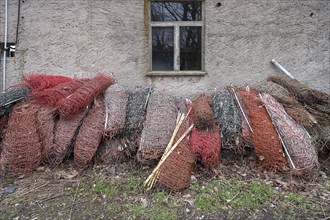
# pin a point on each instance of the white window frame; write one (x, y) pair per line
(176, 25)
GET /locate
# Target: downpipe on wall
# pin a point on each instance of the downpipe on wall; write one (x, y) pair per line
(282, 68)
(5, 48)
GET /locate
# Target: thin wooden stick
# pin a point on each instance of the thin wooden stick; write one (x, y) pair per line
(23, 194)
(74, 200)
(239, 104)
(106, 117)
(153, 174)
(180, 119)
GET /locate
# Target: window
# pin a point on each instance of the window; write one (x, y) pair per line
(176, 35)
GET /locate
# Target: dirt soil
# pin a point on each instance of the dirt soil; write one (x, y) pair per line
(236, 189)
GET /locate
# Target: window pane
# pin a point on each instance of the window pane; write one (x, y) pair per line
(190, 48)
(162, 48)
(176, 11)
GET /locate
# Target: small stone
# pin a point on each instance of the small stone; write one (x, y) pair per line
(10, 189)
(187, 210)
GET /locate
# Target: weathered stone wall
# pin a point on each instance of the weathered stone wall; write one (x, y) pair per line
(84, 37)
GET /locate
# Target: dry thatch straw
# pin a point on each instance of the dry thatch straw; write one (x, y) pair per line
(228, 118)
(10, 96)
(136, 108)
(21, 152)
(65, 133)
(46, 126)
(116, 101)
(297, 142)
(158, 127)
(90, 134)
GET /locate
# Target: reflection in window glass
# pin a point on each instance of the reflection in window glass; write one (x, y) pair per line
(162, 48)
(176, 11)
(190, 48)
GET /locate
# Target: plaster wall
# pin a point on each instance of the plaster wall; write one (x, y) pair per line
(84, 37)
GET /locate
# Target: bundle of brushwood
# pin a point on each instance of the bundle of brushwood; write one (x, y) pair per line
(158, 127)
(317, 106)
(52, 95)
(135, 115)
(316, 99)
(84, 95)
(206, 145)
(90, 134)
(301, 153)
(229, 120)
(201, 111)
(175, 167)
(136, 108)
(21, 152)
(294, 108)
(46, 125)
(10, 96)
(266, 142)
(115, 102)
(65, 132)
(38, 82)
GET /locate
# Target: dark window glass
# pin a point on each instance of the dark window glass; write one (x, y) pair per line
(190, 48)
(176, 11)
(162, 48)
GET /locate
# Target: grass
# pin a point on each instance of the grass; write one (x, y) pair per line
(124, 198)
(222, 194)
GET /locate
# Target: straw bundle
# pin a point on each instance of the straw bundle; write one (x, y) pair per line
(90, 134)
(298, 144)
(265, 140)
(65, 134)
(46, 125)
(21, 152)
(158, 127)
(201, 111)
(116, 101)
(84, 95)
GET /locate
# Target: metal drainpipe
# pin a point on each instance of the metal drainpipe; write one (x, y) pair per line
(5, 48)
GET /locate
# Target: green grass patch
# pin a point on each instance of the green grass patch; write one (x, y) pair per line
(105, 189)
(224, 194)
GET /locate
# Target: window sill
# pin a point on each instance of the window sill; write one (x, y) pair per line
(176, 73)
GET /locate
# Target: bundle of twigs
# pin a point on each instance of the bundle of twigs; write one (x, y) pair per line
(151, 180)
(311, 108)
